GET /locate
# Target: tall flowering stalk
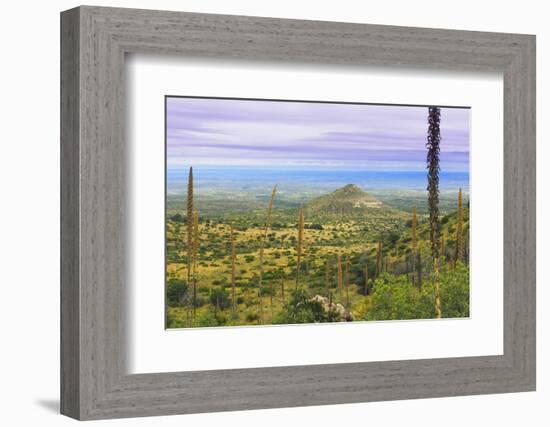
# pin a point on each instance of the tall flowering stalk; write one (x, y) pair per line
(366, 277)
(327, 276)
(196, 243)
(340, 275)
(189, 223)
(432, 162)
(346, 276)
(413, 230)
(283, 290)
(459, 249)
(413, 239)
(299, 245)
(379, 259)
(262, 245)
(233, 268)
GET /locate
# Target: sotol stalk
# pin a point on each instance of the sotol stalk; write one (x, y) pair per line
(189, 221)
(346, 275)
(379, 259)
(196, 243)
(233, 259)
(366, 277)
(459, 250)
(299, 245)
(327, 276)
(340, 278)
(432, 160)
(263, 242)
(413, 239)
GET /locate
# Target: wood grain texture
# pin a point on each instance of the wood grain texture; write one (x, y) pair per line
(70, 221)
(94, 382)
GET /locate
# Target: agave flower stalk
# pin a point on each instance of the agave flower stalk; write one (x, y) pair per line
(459, 249)
(432, 161)
(233, 268)
(340, 276)
(379, 259)
(263, 243)
(189, 223)
(299, 245)
(196, 243)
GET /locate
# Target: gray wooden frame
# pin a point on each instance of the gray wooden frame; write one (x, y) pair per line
(94, 41)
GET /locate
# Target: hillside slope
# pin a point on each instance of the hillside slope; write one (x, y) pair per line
(349, 200)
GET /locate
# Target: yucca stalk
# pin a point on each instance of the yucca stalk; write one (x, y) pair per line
(366, 277)
(264, 236)
(262, 246)
(379, 259)
(346, 276)
(271, 298)
(233, 268)
(419, 269)
(327, 275)
(189, 221)
(196, 243)
(432, 161)
(413, 238)
(260, 307)
(413, 230)
(437, 290)
(283, 290)
(340, 278)
(459, 249)
(299, 245)
(366, 299)
(306, 259)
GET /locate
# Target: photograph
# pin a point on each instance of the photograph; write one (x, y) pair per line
(289, 212)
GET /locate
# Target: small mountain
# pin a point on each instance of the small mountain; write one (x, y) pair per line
(346, 200)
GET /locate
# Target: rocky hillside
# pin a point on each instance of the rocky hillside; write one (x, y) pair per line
(348, 201)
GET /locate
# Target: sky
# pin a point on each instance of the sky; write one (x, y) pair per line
(240, 133)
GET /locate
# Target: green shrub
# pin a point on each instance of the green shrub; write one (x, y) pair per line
(299, 309)
(219, 297)
(396, 298)
(176, 292)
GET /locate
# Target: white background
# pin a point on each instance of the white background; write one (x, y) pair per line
(29, 218)
(152, 349)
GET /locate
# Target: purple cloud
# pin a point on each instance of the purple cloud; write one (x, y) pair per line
(270, 133)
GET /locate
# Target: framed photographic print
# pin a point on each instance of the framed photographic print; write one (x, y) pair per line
(269, 222)
(262, 213)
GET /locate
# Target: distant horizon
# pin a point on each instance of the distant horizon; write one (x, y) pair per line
(236, 133)
(185, 167)
(303, 179)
